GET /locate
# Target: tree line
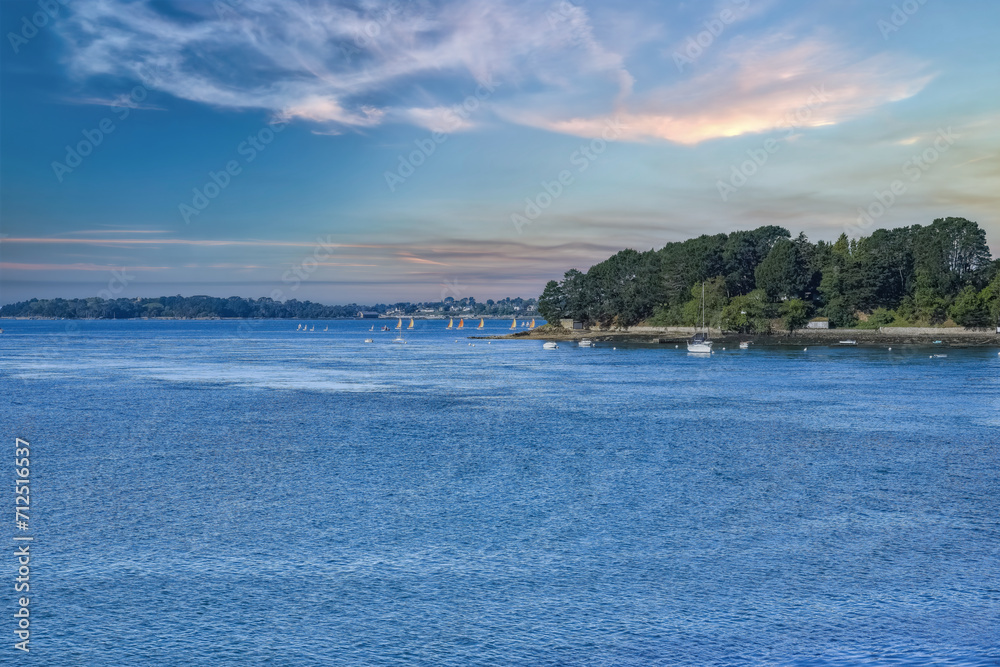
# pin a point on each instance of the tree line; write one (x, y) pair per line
(910, 276)
(192, 307)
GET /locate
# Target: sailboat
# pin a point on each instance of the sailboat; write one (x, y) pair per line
(513, 325)
(411, 324)
(532, 323)
(461, 323)
(399, 325)
(313, 328)
(327, 328)
(700, 342)
(373, 328)
(451, 323)
(298, 327)
(482, 323)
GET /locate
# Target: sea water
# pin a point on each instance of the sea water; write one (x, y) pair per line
(217, 492)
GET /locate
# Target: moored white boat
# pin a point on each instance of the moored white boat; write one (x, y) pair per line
(745, 345)
(700, 342)
(586, 342)
(550, 346)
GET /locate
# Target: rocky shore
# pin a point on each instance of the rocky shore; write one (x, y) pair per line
(948, 337)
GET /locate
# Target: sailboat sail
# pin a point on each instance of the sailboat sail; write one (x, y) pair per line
(513, 325)
(461, 324)
(451, 323)
(411, 324)
(482, 323)
(399, 325)
(532, 323)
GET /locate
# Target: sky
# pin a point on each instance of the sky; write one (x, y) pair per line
(413, 150)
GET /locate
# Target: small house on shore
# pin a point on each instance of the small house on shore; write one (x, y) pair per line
(818, 323)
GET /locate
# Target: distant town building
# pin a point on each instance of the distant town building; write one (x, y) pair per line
(818, 323)
(367, 315)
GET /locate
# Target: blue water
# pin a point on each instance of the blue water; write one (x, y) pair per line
(210, 495)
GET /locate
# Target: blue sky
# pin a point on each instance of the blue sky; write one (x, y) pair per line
(405, 150)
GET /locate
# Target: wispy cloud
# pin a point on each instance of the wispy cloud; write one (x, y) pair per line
(338, 64)
(756, 86)
(79, 266)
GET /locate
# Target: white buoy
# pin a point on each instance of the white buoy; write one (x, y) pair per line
(614, 348)
(805, 349)
(890, 349)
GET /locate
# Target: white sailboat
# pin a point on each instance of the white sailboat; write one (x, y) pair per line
(700, 343)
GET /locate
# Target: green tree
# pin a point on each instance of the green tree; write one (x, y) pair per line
(971, 308)
(715, 301)
(794, 314)
(748, 313)
(552, 302)
(786, 272)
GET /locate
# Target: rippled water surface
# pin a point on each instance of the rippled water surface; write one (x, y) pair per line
(206, 494)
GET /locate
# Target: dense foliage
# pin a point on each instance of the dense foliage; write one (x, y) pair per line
(919, 275)
(264, 308)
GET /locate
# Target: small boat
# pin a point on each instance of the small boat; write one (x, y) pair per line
(745, 345)
(461, 324)
(532, 324)
(411, 324)
(313, 328)
(298, 327)
(550, 346)
(451, 324)
(513, 325)
(940, 356)
(385, 327)
(369, 340)
(586, 342)
(373, 328)
(700, 343)
(482, 323)
(327, 328)
(399, 338)
(848, 342)
(937, 342)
